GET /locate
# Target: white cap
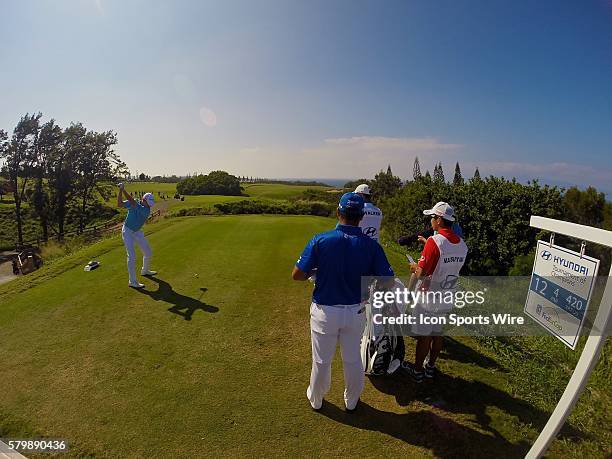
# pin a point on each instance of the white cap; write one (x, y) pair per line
(149, 198)
(442, 209)
(362, 189)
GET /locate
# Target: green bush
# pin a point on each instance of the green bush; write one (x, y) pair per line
(194, 211)
(216, 183)
(301, 207)
(331, 197)
(523, 265)
(494, 214)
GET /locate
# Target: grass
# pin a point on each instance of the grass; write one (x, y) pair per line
(8, 231)
(8, 227)
(253, 190)
(275, 191)
(121, 373)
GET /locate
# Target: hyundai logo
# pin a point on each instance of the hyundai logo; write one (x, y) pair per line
(546, 255)
(370, 231)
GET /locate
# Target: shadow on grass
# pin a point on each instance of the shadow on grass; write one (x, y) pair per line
(184, 306)
(459, 352)
(427, 429)
(459, 396)
(7, 257)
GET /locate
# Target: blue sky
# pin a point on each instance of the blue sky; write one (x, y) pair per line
(323, 88)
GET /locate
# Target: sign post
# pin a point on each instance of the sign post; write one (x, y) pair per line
(560, 291)
(595, 341)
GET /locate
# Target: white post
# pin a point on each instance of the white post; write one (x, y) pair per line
(595, 341)
(8, 453)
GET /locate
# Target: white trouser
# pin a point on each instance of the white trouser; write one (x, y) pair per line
(328, 325)
(129, 237)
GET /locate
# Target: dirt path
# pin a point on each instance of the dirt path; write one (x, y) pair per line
(6, 267)
(6, 272)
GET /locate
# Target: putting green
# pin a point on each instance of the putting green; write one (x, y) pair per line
(123, 373)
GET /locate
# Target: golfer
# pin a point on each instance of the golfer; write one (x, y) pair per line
(437, 270)
(372, 217)
(138, 213)
(340, 258)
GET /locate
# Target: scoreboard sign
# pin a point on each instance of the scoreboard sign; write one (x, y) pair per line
(561, 286)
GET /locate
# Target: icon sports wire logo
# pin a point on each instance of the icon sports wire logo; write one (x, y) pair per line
(571, 265)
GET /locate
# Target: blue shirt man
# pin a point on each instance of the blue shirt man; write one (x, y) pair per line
(340, 258)
(131, 233)
(137, 215)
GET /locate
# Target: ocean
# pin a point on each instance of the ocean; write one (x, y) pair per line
(335, 182)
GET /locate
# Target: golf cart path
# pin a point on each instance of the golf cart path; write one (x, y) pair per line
(6, 272)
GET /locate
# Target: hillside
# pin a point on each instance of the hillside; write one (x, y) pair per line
(213, 358)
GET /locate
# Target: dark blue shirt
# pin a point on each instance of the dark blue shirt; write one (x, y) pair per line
(342, 256)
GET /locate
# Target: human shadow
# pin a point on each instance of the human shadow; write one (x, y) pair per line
(459, 352)
(428, 429)
(184, 306)
(459, 396)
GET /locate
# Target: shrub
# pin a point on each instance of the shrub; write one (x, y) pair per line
(318, 208)
(331, 197)
(217, 183)
(523, 265)
(194, 211)
(494, 214)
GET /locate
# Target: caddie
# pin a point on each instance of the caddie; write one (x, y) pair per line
(339, 258)
(138, 213)
(372, 217)
(436, 271)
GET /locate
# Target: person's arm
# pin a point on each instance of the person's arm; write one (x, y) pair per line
(119, 196)
(417, 273)
(424, 235)
(427, 263)
(307, 262)
(129, 197)
(411, 239)
(299, 275)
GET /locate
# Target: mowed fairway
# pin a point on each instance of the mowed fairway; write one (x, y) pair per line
(266, 191)
(253, 190)
(213, 358)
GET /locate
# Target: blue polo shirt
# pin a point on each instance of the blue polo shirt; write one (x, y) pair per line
(342, 256)
(136, 216)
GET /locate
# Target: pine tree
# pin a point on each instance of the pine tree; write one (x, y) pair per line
(458, 179)
(476, 174)
(438, 174)
(385, 184)
(416, 169)
(427, 176)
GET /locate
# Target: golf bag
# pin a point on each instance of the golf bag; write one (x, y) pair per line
(382, 346)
